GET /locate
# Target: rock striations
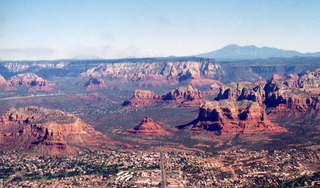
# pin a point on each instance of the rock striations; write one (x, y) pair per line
(294, 93)
(183, 94)
(142, 98)
(149, 127)
(241, 91)
(94, 83)
(175, 70)
(237, 109)
(47, 131)
(241, 108)
(187, 96)
(228, 117)
(30, 81)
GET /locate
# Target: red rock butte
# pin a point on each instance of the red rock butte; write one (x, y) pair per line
(187, 96)
(95, 83)
(30, 81)
(228, 117)
(149, 127)
(46, 131)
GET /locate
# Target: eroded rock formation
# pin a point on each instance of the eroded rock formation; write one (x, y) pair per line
(142, 98)
(187, 93)
(241, 108)
(283, 98)
(229, 117)
(149, 127)
(95, 83)
(187, 96)
(29, 80)
(47, 131)
(241, 91)
(176, 70)
(24, 66)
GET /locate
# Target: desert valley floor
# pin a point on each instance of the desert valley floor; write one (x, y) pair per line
(148, 122)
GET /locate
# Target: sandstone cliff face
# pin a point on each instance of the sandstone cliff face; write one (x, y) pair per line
(44, 130)
(294, 93)
(94, 83)
(187, 96)
(29, 80)
(241, 91)
(229, 117)
(142, 98)
(149, 127)
(18, 67)
(284, 98)
(187, 93)
(308, 80)
(168, 70)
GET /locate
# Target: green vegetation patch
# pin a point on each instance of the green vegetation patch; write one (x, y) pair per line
(83, 169)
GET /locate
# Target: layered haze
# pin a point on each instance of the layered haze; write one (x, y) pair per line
(43, 29)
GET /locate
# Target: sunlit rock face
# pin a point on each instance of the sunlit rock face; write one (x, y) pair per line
(188, 96)
(234, 117)
(94, 83)
(29, 81)
(175, 69)
(142, 98)
(241, 91)
(149, 127)
(294, 93)
(45, 130)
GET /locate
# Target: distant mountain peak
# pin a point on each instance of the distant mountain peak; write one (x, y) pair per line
(235, 51)
(231, 45)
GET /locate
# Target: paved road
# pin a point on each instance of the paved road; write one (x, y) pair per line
(31, 96)
(163, 171)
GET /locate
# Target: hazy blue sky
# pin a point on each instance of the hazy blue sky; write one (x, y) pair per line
(50, 29)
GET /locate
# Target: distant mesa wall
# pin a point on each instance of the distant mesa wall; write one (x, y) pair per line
(167, 70)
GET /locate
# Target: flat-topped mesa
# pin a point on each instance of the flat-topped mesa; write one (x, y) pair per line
(47, 131)
(95, 83)
(228, 117)
(142, 98)
(168, 69)
(29, 80)
(241, 91)
(21, 66)
(149, 127)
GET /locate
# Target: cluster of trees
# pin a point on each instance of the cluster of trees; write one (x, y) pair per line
(301, 181)
(86, 169)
